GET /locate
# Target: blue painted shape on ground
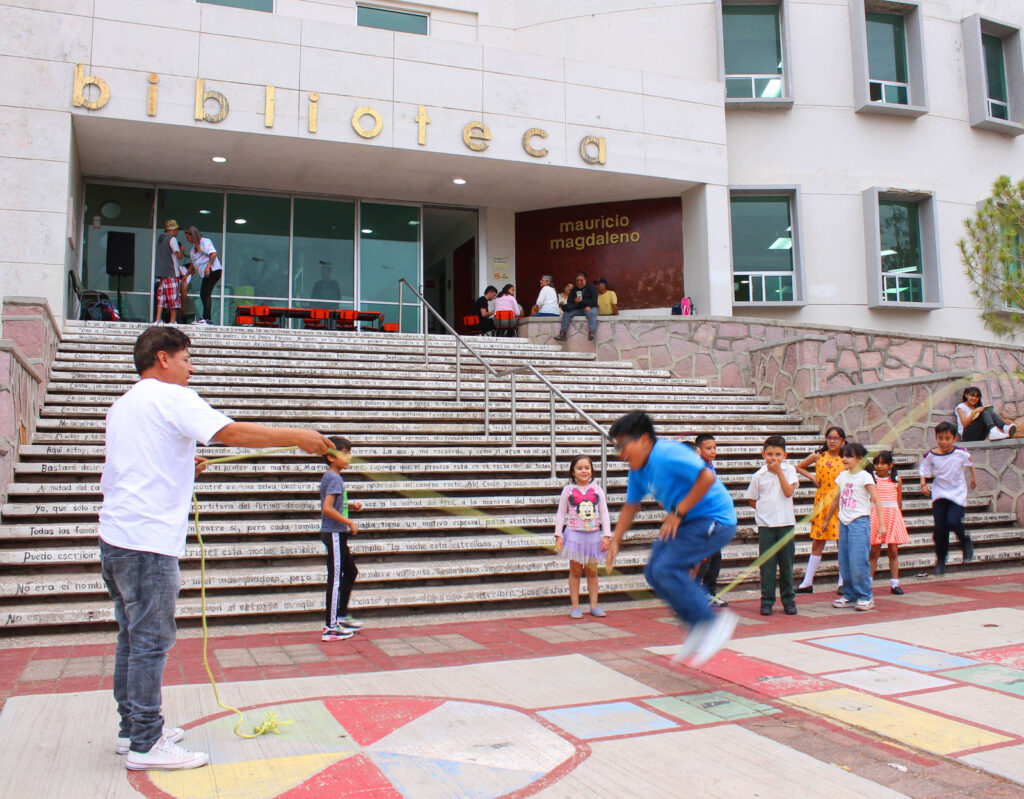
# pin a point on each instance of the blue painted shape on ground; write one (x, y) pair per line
(991, 675)
(912, 657)
(607, 720)
(431, 778)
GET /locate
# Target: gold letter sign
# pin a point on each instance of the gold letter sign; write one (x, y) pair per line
(81, 81)
(585, 153)
(357, 122)
(536, 152)
(202, 96)
(476, 135)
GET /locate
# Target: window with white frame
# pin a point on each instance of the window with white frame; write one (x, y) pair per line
(995, 75)
(391, 19)
(249, 5)
(764, 263)
(901, 249)
(888, 57)
(753, 53)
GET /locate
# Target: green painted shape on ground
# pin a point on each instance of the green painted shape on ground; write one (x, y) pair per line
(992, 675)
(710, 708)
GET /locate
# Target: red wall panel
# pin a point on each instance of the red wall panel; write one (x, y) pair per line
(637, 246)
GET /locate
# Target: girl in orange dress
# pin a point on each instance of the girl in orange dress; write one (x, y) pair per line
(827, 466)
(894, 532)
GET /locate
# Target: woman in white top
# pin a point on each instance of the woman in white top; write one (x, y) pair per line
(975, 422)
(207, 265)
(547, 300)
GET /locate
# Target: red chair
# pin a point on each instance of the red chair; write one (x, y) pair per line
(244, 320)
(347, 319)
(505, 323)
(317, 319)
(261, 316)
(391, 327)
(471, 325)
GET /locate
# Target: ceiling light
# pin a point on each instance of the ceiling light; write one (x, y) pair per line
(781, 244)
(366, 230)
(888, 252)
(901, 270)
(239, 221)
(459, 181)
(219, 159)
(414, 221)
(203, 211)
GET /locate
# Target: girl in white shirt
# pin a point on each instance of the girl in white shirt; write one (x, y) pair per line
(975, 422)
(856, 495)
(207, 265)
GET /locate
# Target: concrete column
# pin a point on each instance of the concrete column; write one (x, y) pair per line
(707, 249)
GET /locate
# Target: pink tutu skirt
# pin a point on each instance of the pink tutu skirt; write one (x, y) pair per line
(582, 547)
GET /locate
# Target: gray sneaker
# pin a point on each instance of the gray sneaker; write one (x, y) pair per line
(165, 756)
(172, 734)
(717, 636)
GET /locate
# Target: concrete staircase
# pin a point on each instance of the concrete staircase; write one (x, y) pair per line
(450, 518)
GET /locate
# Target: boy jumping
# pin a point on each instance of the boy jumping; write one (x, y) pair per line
(701, 520)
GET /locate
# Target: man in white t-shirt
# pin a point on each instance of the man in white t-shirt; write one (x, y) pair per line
(150, 467)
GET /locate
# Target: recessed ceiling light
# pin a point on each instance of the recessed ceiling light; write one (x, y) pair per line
(459, 181)
(203, 211)
(366, 230)
(239, 221)
(219, 159)
(414, 221)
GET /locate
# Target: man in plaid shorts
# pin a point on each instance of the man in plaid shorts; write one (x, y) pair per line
(168, 290)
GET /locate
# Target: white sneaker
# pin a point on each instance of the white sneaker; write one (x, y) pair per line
(864, 604)
(841, 602)
(691, 643)
(1010, 430)
(172, 734)
(717, 636)
(995, 434)
(165, 756)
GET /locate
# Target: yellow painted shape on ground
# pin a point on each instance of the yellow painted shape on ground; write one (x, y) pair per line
(907, 725)
(249, 779)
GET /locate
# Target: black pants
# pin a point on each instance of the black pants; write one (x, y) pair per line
(341, 576)
(948, 516)
(978, 429)
(206, 293)
(707, 573)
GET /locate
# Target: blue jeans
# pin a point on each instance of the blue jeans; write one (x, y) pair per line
(668, 570)
(855, 558)
(567, 317)
(144, 586)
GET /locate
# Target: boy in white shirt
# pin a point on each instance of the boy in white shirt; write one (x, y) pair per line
(770, 494)
(948, 491)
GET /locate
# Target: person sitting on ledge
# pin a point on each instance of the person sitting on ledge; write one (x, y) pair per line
(976, 422)
(547, 300)
(582, 302)
(607, 301)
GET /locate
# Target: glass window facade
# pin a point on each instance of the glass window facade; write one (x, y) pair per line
(389, 20)
(753, 51)
(279, 251)
(995, 76)
(251, 5)
(900, 238)
(762, 249)
(887, 59)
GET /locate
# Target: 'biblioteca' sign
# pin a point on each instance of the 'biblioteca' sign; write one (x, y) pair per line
(212, 106)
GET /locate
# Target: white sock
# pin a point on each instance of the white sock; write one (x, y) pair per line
(812, 567)
(840, 581)
(893, 582)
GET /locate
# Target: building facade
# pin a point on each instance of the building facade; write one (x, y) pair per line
(786, 159)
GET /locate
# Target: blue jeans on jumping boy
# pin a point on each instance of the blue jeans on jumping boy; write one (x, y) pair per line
(668, 570)
(144, 586)
(855, 558)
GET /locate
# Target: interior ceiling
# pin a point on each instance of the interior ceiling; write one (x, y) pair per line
(180, 154)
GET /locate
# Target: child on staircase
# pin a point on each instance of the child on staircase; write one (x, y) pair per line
(335, 528)
(948, 492)
(893, 532)
(582, 532)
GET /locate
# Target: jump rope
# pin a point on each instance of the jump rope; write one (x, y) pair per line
(272, 724)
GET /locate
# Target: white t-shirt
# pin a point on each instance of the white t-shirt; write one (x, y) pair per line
(150, 468)
(773, 508)
(948, 471)
(201, 257)
(547, 301)
(854, 500)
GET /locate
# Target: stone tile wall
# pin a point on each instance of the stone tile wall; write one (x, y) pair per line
(29, 343)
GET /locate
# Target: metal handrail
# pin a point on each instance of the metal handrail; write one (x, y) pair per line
(490, 371)
(552, 392)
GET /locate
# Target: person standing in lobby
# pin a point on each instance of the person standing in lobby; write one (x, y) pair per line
(165, 268)
(547, 300)
(204, 258)
(582, 302)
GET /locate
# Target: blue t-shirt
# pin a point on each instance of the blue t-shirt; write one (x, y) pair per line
(669, 474)
(332, 484)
